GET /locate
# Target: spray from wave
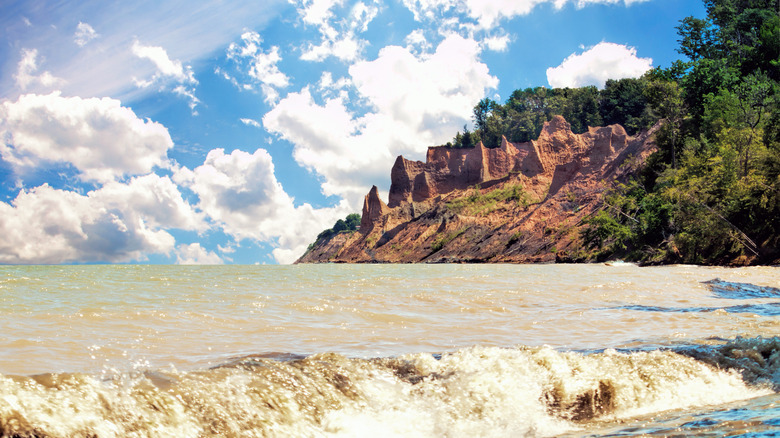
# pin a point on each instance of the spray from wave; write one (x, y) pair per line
(477, 391)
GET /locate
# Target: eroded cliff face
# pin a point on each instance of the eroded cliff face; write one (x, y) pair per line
(520, 202)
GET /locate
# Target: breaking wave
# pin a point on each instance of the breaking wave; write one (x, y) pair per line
(478, 391)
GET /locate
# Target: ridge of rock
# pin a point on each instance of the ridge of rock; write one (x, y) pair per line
(553, 182)
(447, 169)
(374, 209)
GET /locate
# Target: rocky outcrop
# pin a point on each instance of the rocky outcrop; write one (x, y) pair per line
(520, 202)
(557, 150)
(373, 210)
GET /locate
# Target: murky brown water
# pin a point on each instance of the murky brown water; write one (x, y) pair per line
(422, 350)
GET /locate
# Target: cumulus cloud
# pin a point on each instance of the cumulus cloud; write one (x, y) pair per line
(101, 139)
(258, 65)
(27, 75)
(316, 11)
(327, 83)
(152, 199)
(84, 34)
(170, 73)
(430, 97)
(498, 43)
(240, 193)
(488, 13)
(117, 223)
(417, 42)
(194, 254)
(597, 64)
(339, 37)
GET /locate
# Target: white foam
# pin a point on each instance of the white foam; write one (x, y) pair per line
(479, 391)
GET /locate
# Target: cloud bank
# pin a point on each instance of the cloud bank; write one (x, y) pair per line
(117, 223)
(103, 140)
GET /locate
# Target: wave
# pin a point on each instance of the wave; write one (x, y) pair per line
(477, 391)
(726, 290)
(736, 291)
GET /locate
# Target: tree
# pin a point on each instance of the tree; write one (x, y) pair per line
(482, 112)
(738, 116)
(624, 102)
(352, 221)
(666, 101)
(697, 38)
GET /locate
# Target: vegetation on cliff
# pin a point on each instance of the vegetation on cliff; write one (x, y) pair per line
(709, 195)
(346, 225)
(520, 119)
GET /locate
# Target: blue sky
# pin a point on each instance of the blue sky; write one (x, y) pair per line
(174, 131)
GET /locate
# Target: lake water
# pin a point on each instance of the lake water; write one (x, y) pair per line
(389, 350)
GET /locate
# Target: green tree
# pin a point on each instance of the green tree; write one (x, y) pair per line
(352, 221)
(482, 112)
(624, 102)
(697, 38)
(666, 102)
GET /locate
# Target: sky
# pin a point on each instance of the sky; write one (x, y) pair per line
(226, 131)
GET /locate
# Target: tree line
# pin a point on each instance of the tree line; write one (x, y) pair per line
(522, 117)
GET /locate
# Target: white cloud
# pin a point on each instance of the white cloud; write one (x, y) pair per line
(316, 12)
(170, 72)
(431, 96)
(345, 47)
(84, 34)
(194, 254)
(327, 82)
(488, 13)
(260, 66)
(103, 140)
(153, 199)
(339, 37)
(165, 65)
(583, 3)
(251, 122)
(188, 93)
(191, 31)
(239, 192)
(27, 68)
(597, 64)
(117, 223)
(417, 42)
(499, 43)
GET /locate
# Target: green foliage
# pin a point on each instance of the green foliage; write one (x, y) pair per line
(442, 241)
(514, 238)
(523, 115)
(624, 102)
(697, 38)
(466, 140)
(712, 192)
(479, 204)
(353, 221)
(346, 225)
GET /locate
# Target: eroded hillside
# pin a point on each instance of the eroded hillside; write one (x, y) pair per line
(518, 203)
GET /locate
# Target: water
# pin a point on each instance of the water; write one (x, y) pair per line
(389, 350)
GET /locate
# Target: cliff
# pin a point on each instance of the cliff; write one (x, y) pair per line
(516, 203)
